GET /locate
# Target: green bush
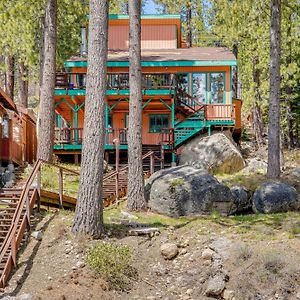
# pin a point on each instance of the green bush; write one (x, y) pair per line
(111, 262)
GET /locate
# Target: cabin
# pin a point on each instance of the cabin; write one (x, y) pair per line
(186, 91)
(18, 141)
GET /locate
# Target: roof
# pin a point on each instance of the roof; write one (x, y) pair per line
(196, 56)
(6, 101)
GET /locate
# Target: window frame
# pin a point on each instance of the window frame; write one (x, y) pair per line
(158, 115)
(210, 88)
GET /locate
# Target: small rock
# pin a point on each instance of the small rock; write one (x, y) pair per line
(127, 215)
(183, 251)
(49, 278)
(207, 254)
(151, 298)
(189, 292)
(215, 286)
(38, 235)
(80, 264)
(298, 295)
(144, 231)
(169, 250)
(228, 295)
(68, 250)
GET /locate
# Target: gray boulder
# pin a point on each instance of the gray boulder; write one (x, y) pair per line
(273, 197)
(255, 165)
(216, 153)
(186, 191)
(241, 198)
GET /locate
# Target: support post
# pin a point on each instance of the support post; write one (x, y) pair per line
(152, 164)
(209, 130)
(39, 189)
(27, 210)
(116, 142)
(76, 124)
(61, 187)
(162, 156)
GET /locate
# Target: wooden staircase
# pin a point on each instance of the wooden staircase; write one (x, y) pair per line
(16, 206)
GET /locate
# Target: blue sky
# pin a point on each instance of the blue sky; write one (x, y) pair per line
(150, 7)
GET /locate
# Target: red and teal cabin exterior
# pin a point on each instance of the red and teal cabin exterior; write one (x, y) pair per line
(186, 91)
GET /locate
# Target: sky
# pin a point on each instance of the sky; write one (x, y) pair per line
(150, 7)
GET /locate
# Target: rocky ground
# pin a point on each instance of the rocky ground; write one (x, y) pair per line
(241, 257)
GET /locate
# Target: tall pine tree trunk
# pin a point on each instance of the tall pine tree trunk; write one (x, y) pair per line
(23, 85)
(235, 78)
(258, 125)
(88, 215)
(9, 76)
(189, 26)
(46, 111)
(136, 199)
(274, 108)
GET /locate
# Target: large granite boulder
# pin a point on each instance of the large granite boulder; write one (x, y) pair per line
(186, 191)
(274, 197)
(216, 153)
(241, 199)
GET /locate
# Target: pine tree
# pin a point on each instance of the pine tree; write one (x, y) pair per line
(88, 215)
(136, 199)
(274, 110)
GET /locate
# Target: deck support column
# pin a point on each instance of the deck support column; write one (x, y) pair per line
(76, 123)
(173, 127)
(209, 130)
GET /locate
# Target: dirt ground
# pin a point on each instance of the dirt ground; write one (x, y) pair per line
(259, 254)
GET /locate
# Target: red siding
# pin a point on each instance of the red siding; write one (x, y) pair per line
(153, 37)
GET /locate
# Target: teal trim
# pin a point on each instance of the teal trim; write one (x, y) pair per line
(145, 16)
(165, 104)
(80, 106)
(59, 92)
(67, 147)
(209, 130)
(114, 105)
(178, 63)
(76, 124)
(230, 86)
(64, 100)
(145, 104)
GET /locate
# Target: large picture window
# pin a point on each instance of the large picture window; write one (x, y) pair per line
(158, 122)
(217, 84)
(199, 86)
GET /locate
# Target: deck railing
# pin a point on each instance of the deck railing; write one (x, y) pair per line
(115, 81)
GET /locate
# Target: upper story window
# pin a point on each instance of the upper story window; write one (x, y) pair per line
(199, 86)
(5, 128)
(217, 84)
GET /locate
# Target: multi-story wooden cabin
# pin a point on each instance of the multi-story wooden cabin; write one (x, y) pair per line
(186, 91)
(18, 141)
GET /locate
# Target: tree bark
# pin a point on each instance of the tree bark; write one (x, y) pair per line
(235, 73)
(189, 26)
(274, 108)
(88, 216)
(136, 199)
(23, 85)
(258, 125)
(46, 111)
(10, 76)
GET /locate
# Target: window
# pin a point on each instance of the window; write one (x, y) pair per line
(110, 121)
(5, 127)
(158, 122)
(81, 80)
(217, 87)
(183, 82)
(199, 86)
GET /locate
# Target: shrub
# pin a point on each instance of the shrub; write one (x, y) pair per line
(111, 262)
(273, 261)
(243, 252)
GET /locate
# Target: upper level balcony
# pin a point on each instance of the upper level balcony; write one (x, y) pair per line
(117, 84)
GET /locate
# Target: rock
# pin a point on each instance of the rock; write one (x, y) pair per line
(8, 176)
(228, 295)
(38, 235)
(11, 168)
(296, 172)
(241, 198)
(222, 245)
(169, 250)
(9, 184)
(273, 197)
(125, 214)
(215, 286)
(216, 153)
(207, 254)
(186, 191)
(298, 295)
(80, 264)
(144, 231)
(255, 165)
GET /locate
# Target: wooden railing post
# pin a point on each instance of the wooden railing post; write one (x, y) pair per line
(14, 250)
(117, 144)
(61, 187)
(162, 156)
(152, 164)
(39, 189)
(27, 210)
